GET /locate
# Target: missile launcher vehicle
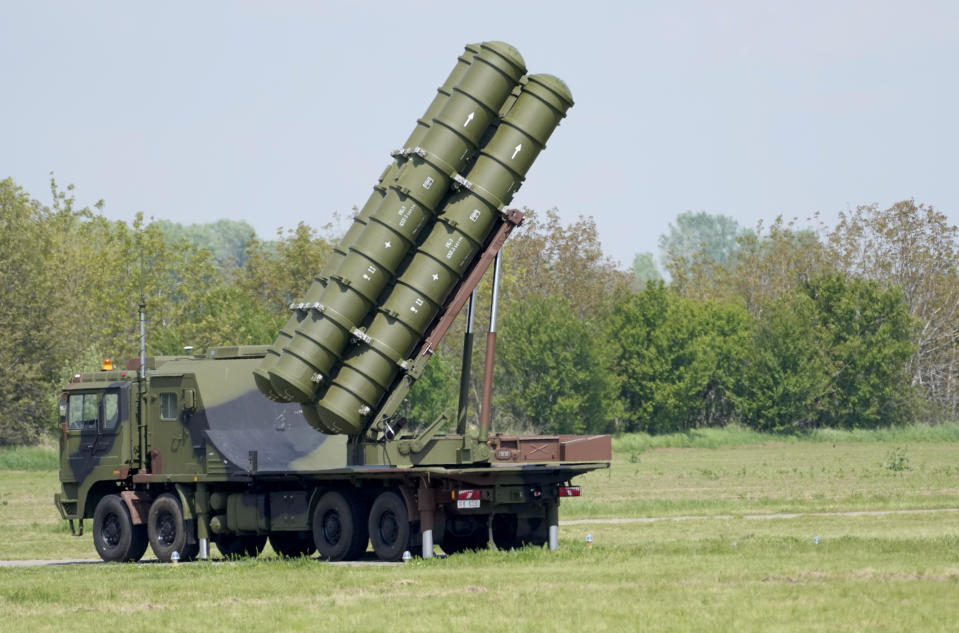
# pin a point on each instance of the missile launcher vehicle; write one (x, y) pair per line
(299, 442)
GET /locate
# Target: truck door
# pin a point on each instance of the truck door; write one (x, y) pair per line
(94, 435)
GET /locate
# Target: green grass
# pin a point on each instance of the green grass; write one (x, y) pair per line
(649, 580)
(734, 435)
(716, 558)
(777, 476)
(28, 458)
(634, 443)
(917, 433)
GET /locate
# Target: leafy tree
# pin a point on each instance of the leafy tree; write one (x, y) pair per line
(544, 260)
(277, 273)
(226, 239)
(554, 370)
(913, 247)
(833, 354)
(27, 285)
(547, 259)
(202, 312)
(644, 270)
(435, 392)
(867, 331)
(785, 376)
(677, 359)
(770, 262)
(697, 239)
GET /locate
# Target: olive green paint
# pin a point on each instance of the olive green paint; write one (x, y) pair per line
(445, 256)
(407, 210)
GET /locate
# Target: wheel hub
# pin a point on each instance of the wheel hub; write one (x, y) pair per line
(389, 528)
(111, 530)
(332, 528)
(166, 529)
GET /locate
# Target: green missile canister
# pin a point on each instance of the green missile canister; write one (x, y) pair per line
(445, 256)
(408, 210)
(300, 309)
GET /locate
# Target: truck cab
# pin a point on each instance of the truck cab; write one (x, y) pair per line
(97, 437)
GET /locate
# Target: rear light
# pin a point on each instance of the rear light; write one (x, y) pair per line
(468, 494)
(569, 491)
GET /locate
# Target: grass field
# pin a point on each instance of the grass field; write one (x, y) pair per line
(721, 557)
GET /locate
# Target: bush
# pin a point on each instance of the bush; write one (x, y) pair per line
(677, 359)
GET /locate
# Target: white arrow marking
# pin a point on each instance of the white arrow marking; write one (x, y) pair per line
(413, 309)
(366, 277)
(516, 151)
(469, 118)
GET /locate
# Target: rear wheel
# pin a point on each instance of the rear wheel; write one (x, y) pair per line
(239, 546)
(465, 533)
(536, 531)
(114, 535)
(512, 532)
(339, 526)
(167, 530)
(292, 544)
(390, 526)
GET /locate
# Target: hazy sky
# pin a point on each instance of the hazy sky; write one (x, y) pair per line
(277, 112)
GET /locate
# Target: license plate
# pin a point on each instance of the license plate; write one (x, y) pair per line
(467, 503)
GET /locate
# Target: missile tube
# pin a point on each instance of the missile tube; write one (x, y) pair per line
(408, 208)
(444, 258)
(340, 251)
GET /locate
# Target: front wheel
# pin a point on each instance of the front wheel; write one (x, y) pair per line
(114, 535)
(167, 530)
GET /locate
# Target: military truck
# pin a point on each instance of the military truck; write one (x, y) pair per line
(301, 442)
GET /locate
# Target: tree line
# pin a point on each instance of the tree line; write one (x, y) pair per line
(780, 327)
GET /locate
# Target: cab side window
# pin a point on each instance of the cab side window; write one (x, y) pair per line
(168, 406)
(111, 411)
(83, 411)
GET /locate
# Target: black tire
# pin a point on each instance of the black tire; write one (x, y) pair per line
(456, 544)
(536, 532)
(465, 533)
(390, 526)
(292, 544)
(504, 531)
(339, 527)
(167, 530)
(116, 538)
(511, 532)
(239, 546)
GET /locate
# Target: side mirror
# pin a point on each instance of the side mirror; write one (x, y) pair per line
(189, 399)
